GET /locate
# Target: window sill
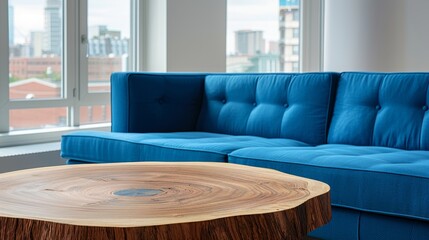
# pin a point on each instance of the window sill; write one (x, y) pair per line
(29, 149)
(19, 138)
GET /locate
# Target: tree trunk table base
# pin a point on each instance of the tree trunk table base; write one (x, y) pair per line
(160, 201)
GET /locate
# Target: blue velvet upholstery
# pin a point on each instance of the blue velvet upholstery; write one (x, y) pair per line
(291, 106)
(364, 178)
(382, 109)
(380, 180)
(365, 134)
(143, 102)
(349, 224)
(344, 225)
(258, 110)
(101, 147)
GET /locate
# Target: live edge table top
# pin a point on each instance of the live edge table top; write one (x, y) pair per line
(160, 200)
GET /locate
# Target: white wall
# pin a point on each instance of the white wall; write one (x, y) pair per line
(154, 38)
(196, 35)
(185, 35)
(417, 35)
(376, 35)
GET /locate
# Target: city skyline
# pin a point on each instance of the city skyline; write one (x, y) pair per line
(102, 41)
(254, 15)
(258, 15)
(34, 10)
(265, 21)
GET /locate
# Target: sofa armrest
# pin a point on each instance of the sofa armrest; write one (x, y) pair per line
(155, 102)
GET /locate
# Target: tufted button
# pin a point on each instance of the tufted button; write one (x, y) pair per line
(285, 105)
(161, 101)
(254, 104)
(223, 101)
(425, 108)
(378, 107)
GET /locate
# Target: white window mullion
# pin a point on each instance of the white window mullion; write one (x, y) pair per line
(24, 104)
(136, 49)
(71, 60)
(4, 67)
(83, 49)
(311, 35)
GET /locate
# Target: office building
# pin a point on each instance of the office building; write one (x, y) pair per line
(248, 42)
(11, 26)
(36, 41)
(53, 20)
(289, 35)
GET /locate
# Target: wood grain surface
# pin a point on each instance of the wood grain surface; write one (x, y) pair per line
(160, 201)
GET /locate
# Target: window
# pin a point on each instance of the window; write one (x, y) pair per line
(55, 69)
(108, 40)
(295, 50)
(35, 51)
(265, 35)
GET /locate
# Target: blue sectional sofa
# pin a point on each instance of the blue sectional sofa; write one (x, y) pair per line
(365, 134)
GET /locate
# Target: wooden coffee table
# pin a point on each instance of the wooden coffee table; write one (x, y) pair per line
(160, 201)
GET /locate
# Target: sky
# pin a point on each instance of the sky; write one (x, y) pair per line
(252, 15)
(241, 15)
(23, 12)
(29, 16)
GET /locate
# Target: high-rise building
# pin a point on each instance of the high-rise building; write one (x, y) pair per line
(107, 46)
(52, 35)
(273, 47)
(102, 31)
(105, 42)
(11, 26)
(289, 35)
(249, 42)
(36, 41)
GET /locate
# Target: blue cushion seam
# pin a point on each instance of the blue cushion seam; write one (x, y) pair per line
(328, 106)
(248, 117)
(376, 114)
(383, 73)
(220, 110)
(421, 128)
(283, 134)
(82, 157)
(127, 99)
(232, 154)
(182, 148)
(149, 144)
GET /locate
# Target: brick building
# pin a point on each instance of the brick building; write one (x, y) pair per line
(99, 68)
(34, 88)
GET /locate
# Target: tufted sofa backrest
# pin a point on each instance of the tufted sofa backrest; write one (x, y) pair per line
(294, 106)
(382, 109)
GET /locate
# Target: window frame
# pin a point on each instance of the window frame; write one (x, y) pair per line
(4, 66)
(311, 35)
(74, 75)
(311, 60)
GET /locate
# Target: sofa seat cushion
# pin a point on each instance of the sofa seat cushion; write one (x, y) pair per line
(105, 147)
(373, 179)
